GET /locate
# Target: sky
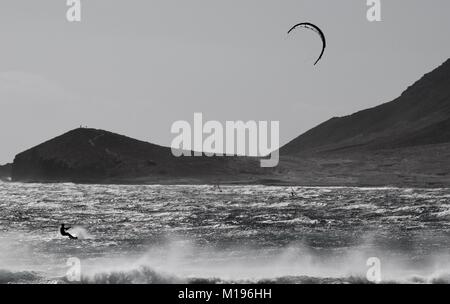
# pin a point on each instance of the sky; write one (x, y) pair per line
(135, 67)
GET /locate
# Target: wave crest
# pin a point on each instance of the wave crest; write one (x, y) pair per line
(142, 275)
(7, 276)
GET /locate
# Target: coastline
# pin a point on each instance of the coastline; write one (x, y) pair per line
(271, 183)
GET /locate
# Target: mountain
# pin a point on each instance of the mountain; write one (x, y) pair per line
(5, 171)
(405, 142)
(91, 155)
(420, 116)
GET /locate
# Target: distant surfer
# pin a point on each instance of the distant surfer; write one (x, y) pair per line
(217, 188)
(293, 194)
(63, 231)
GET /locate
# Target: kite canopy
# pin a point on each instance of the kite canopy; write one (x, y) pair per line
(316, 29)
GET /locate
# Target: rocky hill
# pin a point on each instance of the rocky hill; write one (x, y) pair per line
(91, 155)
(420, 116)
(5, 171)
(405, 142)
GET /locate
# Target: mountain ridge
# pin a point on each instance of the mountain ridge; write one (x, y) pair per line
(421, 105)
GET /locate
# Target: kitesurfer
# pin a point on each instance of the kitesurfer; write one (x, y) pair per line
(63, 231)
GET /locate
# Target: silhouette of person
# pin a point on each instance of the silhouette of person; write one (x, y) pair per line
(63, 231)
(293, 194)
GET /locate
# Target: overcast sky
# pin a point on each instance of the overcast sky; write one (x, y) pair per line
(135, 67)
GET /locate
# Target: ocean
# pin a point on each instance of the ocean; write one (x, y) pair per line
(235, 234)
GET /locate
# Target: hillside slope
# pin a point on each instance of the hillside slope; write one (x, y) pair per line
(405, 142)
(420, 116)
(5, 171)
(91, 155)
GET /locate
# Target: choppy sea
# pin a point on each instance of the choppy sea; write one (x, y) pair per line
(238, 234)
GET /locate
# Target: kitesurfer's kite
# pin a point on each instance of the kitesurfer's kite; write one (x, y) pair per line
(316, 29)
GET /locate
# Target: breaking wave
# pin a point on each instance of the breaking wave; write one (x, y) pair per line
(146, 275)
(18, 277)
(81, 233)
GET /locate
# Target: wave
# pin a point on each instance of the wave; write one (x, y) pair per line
(7, 276)
(81, 233)
(146, 275)
(183, 262)
(142, 275)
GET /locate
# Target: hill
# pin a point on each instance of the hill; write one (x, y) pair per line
(91, 155)
(5, 171)
(420, 116)
(405, 142)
